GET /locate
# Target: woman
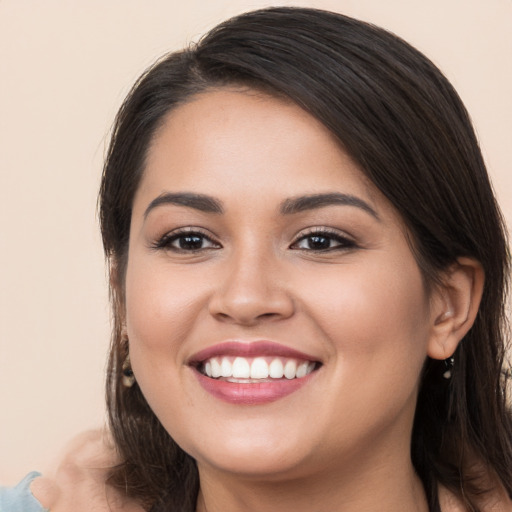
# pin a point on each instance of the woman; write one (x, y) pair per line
(308, 272)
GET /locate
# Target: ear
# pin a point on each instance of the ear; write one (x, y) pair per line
(454, 306)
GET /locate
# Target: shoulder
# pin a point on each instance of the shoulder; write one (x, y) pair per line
(497, 501)
(449, 502)
(494, 501)
(78, 483)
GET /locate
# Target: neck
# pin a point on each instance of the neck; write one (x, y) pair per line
(378, 487)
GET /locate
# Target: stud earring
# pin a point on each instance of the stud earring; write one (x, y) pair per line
(449, 367)
(128, 378)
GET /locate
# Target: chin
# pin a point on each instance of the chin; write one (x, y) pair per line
(256, 464)
(255, 456)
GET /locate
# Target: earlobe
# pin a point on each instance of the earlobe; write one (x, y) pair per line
(454, 306)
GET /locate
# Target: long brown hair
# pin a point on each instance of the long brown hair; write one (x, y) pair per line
(400, 119)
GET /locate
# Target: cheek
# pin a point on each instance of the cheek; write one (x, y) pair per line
(374, 313)
(156, 297)
(376, 321)
(162, 308)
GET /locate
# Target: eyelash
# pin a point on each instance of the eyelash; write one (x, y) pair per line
(166, 241)
(343, 242)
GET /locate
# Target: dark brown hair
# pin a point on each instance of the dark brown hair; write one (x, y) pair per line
(400, 119)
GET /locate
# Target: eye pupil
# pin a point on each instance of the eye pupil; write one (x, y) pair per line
(190, 242)
(318, 242)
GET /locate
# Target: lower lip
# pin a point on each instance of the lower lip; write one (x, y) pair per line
(251, 394)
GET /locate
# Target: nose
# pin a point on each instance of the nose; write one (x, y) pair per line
(253, 290)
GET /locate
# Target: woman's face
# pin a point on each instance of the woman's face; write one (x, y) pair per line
(257, 245)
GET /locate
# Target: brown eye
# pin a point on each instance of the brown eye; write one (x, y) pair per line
(322, 241)
(187, 241)
(317, 242)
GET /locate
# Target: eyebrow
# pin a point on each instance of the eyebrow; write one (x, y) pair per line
(313, 201)
(199, 202)
(289, 206)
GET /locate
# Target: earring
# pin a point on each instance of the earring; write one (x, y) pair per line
(128, 378)
(449, 367)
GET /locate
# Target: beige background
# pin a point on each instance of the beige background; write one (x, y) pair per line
(65, 66)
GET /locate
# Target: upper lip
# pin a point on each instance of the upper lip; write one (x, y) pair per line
(249, 349)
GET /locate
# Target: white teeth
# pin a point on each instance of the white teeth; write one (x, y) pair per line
(302, 370)
(216, 368)
(241, 368)
(276, 370)
(226, 368)
(257, 368)
(290, 369)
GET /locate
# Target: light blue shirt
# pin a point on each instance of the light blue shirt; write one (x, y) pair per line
(20, 498)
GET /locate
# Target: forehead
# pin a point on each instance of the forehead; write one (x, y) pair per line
(240, 142)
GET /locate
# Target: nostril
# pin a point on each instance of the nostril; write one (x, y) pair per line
(245, 318)
(268, 315)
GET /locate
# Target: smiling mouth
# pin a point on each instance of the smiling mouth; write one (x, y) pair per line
(247, 370)
(254, 373)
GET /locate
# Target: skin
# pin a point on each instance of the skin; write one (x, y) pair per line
(78, 481)
(358, 304)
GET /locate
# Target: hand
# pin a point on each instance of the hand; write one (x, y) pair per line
(79, 482)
